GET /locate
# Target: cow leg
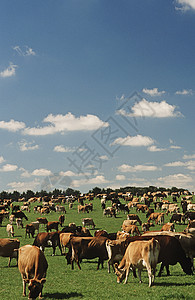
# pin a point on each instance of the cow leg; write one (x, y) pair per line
(127, 274)
(167, 269)
(54, 250)
(9, 261)
(161, 269)
(149, 275)
(24, 287)
(139, 275)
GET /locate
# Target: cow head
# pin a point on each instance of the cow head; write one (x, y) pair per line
(187, 266)
(35, 288)
(120, 273)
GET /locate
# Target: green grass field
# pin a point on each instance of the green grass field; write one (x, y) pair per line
(88, 283)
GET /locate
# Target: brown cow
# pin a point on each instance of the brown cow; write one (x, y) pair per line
(48, 239)
(7, 247)
(87, 247)
(116, 250)
(30, 230)
(32, 265)
(134, 217)
(52, 225)
(61, 220)
(10, 230)
(139, 254)
(153, 217)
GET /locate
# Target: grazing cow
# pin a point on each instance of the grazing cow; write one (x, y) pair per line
(172, 250)
(19, 223)
(146, 226)
(154, 217)
(139, 254)
(7, 247)
(61, 220)
(142, 207)
(191, 206)
(134, 217)
(52, 225)
(87, 248)
(30, 230)
(32, 265)
(123, 207)
(116, 250)
(65, 240)
(160, 219)
(83, 208)
(88, 222)
(20, 214)
(109, 211)
(168, 227)
(48, 239)
(177, 218)
(149, 212)
(132, 229)
(10, 230)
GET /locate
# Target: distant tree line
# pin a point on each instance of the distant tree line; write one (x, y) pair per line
(96, 190)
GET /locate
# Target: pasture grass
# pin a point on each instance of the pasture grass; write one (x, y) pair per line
(88, 283)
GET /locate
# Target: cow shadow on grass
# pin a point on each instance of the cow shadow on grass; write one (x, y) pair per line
(172, 284)
(62, 295)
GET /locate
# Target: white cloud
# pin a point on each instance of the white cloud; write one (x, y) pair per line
(120, 177)
(8, 168)
(23, 186)
(24, 51)
(9, 72)
(153, 148)
(175, 164)
(149, 109)
(175, 147)
(66, 123)
(185, 5)
(25, 173)
(100, 179)
(41, 172)
(104, 157)
(68, 173)
(153, 92)
(12, 125)
(61, 148)
(190, 165)
(177, 180)
(1, 159)
(184, 92)
(25, 146)
(189, 156)
(134, 141)
(137, 168)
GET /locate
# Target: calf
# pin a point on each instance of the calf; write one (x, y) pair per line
(10, 230)
(7, 247)
(32, 265)
(139, 254)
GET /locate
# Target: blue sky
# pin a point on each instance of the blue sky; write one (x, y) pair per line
(97, 93)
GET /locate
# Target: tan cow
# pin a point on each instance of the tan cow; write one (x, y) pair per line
(65, 240)
(139, 254)
(32, 265)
